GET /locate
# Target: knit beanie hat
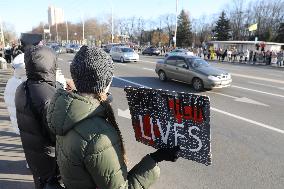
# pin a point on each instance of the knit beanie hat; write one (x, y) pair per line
(91, 70)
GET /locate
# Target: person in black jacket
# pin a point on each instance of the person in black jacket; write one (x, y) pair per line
(32, 100)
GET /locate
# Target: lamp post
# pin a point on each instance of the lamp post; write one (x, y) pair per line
(83, 23)
(111, 22)
(67, 32)
(175, 35)
(2, 33)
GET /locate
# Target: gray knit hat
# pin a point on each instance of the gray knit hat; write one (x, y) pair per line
(91, 70)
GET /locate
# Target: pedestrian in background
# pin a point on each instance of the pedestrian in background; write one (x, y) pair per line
(89, 144)
(280, 58)
(8, 53)
(224, 55)
(2, 60)
(32, 100)
(247, 56)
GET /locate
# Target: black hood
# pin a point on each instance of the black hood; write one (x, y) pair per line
(40, 64)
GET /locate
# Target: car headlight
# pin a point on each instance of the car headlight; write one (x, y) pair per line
(213, 78)
(229, 76)
(126, 55)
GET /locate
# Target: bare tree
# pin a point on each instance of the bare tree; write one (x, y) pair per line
(169, 23)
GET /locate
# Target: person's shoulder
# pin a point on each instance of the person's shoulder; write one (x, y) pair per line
(98, 134)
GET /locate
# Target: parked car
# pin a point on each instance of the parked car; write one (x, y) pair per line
(179, 52)
(57, 49)
(72, 48)
(123, 54)
(192, 70)
(151, 51)
(108, 47)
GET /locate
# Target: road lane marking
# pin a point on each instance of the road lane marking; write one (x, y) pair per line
(258, 78)
(273, 86)
(134, 83)
(149, 69)
(258, 91)
(240, 99)
(148, 61)
(124, 113)
(249, 120)
(220, 111)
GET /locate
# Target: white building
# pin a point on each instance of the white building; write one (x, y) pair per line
(55, 15)
(244, 45)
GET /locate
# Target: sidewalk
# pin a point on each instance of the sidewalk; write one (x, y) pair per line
(13, 171)
(257, 64)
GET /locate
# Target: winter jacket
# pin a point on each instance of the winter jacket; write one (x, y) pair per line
(11, 87)
(32, 99)
(88, 147)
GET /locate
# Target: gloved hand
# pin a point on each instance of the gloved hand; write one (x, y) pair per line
(53, 186)
(166, 154)
(52, 183)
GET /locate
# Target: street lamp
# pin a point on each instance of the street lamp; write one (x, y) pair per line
(110, 2)
(175, 35)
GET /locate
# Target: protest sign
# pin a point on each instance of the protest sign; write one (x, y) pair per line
(163, 119)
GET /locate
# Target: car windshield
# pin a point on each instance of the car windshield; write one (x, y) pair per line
(199, 63)
(127, 50)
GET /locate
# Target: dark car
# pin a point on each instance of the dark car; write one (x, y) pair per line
(72, 48)
(151, 51)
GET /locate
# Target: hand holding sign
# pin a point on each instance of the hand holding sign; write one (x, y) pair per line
(164, 120)
(166, 154)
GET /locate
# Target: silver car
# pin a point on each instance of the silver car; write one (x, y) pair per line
(193, 70)
(124, 54)
(179, 52)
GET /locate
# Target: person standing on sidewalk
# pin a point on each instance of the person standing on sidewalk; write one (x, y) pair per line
(89, 144)
(280, 57)
(9, 94)
(32, 99)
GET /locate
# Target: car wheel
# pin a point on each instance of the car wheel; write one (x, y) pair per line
(197, 84)
(162, 76)
(121, 59)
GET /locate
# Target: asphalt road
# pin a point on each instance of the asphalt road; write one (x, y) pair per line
(247, 126)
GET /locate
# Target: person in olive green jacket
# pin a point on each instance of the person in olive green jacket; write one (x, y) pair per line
(89, 146)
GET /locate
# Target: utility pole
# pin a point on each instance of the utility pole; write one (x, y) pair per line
(83, 22)
(66, 31)
(56, 31)
(175, 36)
(112, 22)
(2, 33)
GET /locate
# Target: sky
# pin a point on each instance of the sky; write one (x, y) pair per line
(25, 14)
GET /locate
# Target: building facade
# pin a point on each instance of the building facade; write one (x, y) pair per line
(55, 15)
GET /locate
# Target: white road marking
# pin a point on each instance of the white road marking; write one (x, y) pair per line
(258, 78)
(249, 120)
(274, 74)
(221, 111)
(273, 86)
(134, 83)
(124, 113)
(148, 61)
(241, 99)
(149, 69)
(60, 59)
(258, 91)
(120, 64)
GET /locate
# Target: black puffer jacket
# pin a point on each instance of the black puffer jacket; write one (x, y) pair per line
(32, 99)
